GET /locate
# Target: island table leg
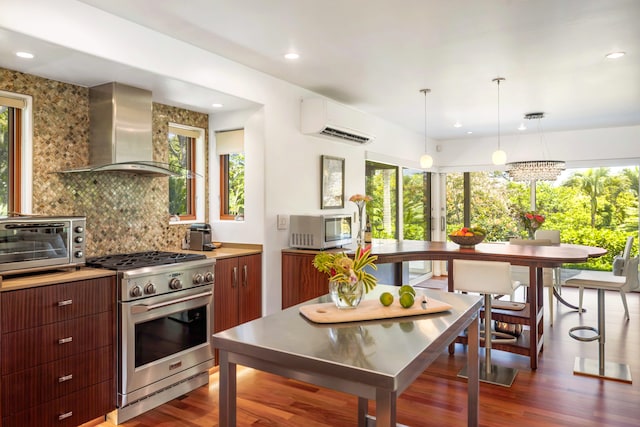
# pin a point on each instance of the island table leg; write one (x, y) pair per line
(226, 391)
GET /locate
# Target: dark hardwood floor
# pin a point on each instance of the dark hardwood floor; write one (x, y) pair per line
(550, 396)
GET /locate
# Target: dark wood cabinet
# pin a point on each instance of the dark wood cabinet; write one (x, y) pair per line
(237, 291)
(57, 351)
(300, 279)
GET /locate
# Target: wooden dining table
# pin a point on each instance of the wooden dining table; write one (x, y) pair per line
(534, 257)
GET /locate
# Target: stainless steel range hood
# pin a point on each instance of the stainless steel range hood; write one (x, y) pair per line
(120, 131)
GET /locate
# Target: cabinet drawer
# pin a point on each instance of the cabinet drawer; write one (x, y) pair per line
(51, 381)
(71, 410)
(29, 348)
(28, 308)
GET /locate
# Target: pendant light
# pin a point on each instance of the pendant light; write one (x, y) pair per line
(499, 157)
(426, 161)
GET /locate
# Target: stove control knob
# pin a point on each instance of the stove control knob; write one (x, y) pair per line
(198, 278)
(175, 283)
(150, 288)
(209, 276)
(135, 292)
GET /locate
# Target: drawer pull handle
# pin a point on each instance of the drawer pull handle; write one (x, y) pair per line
(65, 340)
(65, 378)
(65, 302)
(65, 416)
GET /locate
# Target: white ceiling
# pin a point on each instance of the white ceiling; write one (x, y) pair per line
(376, 55)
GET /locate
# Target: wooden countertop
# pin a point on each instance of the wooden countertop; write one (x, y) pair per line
(52, 278)
(12, 283)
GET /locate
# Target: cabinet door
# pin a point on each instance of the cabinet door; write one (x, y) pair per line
(300, 279)
(225, 297)
(250, 287)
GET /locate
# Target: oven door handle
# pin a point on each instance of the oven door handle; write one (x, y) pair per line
(142, 308)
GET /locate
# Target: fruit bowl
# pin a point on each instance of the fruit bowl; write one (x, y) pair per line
(467, 242)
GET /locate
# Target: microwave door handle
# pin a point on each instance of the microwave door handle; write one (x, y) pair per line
(142, 308)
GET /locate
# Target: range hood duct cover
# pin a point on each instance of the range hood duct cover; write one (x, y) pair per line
(120, 137)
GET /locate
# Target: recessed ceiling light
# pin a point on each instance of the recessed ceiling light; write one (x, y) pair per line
(217, 105)
(292, 55)
(614, 55)
(457, 124)
(25, 55)
(469, 132)
(522, 127)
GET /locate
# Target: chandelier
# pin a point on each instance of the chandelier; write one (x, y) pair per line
(535, 170)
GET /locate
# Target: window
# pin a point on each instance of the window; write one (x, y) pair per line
(416, 204)
(381, 183)
(11, 155)
(594, 207)
(400, 209)
(185, 148)
(230, 149)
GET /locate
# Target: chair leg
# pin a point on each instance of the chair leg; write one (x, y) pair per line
(580, 295)
(624, 302)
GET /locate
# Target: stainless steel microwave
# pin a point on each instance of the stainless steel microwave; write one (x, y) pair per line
(32, 243)
(320, 231)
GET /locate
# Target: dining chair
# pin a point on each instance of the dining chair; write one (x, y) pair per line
(487, 278)
(608, 281)
(521, 274)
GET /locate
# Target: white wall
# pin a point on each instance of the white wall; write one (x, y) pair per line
(582, 148)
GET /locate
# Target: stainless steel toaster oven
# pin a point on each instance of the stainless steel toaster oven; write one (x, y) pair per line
(32, 243)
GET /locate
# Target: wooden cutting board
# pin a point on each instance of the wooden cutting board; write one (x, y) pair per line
(368, 310)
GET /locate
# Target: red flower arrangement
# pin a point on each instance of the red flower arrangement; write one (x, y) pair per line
(532, 221)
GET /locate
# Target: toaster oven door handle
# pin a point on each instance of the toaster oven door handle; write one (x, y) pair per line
(19, 226)
(141, 308)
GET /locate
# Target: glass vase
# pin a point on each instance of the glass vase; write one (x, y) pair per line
(361, 226)
(346, 295)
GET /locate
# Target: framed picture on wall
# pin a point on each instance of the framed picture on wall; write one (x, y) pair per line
(332, 187)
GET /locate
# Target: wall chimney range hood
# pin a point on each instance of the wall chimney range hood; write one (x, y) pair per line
(120, 132)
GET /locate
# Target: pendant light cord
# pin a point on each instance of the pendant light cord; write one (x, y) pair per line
(498, 80)
(425, 92)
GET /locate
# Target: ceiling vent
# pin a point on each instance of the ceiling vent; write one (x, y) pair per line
(328, 119)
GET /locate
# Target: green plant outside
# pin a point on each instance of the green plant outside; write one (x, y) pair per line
(595, 208)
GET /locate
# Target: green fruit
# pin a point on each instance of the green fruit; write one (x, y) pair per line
(406, 288)
(386, 299)
(406, 300)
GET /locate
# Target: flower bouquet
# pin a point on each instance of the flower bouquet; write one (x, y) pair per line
(532, 221)
(348, 280)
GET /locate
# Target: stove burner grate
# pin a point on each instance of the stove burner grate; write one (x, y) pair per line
(141, 259)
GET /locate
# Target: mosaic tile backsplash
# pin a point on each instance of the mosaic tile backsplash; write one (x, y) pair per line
(125, 212)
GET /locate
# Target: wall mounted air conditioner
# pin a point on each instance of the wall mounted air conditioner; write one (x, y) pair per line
(328, 119)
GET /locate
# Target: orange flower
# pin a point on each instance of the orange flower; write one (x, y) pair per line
(360, 198)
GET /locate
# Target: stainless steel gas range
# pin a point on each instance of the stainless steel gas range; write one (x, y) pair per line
(165, 304)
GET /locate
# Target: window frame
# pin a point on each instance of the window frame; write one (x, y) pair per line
(231, 145)
(195, 174)
(20, 151)
(224, 189)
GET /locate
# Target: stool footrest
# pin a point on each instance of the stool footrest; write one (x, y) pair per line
(584, 328)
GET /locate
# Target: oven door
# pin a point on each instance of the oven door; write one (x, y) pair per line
(162, 337)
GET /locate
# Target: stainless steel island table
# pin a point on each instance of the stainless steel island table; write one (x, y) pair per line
(374, 359)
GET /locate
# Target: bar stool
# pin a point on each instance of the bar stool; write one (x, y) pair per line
(487, 278)
(600, 368)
